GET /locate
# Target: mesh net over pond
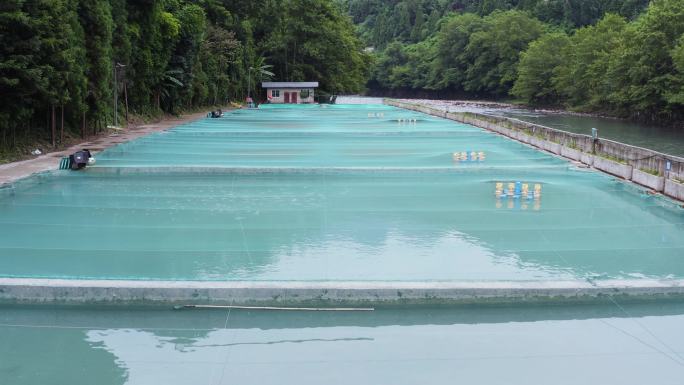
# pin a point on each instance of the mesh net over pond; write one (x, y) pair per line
(345, 192)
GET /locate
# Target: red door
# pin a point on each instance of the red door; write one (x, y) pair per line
(287, 97)
(293, 98)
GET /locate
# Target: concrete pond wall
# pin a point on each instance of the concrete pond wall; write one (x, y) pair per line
(659, 172)
(654, 182)
(326, 294)
(674, 189)
(612, 167)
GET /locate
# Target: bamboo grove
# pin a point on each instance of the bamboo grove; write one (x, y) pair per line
(64, 62)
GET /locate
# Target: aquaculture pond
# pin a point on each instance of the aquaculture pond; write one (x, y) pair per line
(342, 192)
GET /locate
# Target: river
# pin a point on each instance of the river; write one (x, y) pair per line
(663, 139)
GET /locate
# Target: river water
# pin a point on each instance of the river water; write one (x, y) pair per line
(663, 139)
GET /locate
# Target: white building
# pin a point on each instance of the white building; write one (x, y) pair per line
(290, 92)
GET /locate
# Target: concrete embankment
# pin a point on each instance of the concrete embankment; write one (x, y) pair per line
(662, 173)
(11, 172)
(19, 290)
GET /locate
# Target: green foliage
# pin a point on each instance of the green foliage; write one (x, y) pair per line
(314, 40)
(581, 78)
(381, 21)
(217, 57)
(494, 51)
(452, 40)
(620, 57)
(677, 95)
(259, 71)
(404, 67)
(169, 55)
(642, 68)
(409, 21)
(183, 63)
(96, 21)
(41, 65)
(535, 83)
(470, 53)
(628, 69)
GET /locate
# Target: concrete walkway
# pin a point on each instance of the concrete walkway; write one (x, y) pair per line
(11, 172)
(40, 290)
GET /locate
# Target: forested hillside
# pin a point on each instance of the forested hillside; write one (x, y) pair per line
(58, 58)
(621, 57)
(383, 21)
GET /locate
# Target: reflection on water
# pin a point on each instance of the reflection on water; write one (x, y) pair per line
(169, 360)
(526, 344)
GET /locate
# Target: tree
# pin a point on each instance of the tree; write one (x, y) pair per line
(182, 63)
(21, 77)
(535, 83)
(451, 62)
(642, 71)
(582, 77)
(493, 52)
(676, 96)
(218, 54)
(58, 57)
(261, 71)
(96, 20)
(313, 40)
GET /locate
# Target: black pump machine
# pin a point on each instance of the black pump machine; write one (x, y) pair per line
(77, 160)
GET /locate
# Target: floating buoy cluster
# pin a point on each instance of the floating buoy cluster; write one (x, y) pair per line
(518, 195)
(469, 156)
(518, 190)
(376, 115)
(407, 121)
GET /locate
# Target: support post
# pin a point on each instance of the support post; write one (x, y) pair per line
(61, 126)
(53, 126)
(115, 98)
(126, 100)
(249, 81)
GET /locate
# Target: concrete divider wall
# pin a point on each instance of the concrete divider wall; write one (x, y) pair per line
(612, 167)
(674, 189)
(587, 158)
(571, 153)
(643, 166)
(651, 181)
(297, 293)
(552, 147)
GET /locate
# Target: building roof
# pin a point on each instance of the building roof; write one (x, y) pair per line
(289, 84)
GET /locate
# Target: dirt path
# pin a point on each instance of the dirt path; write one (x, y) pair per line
(10, 172)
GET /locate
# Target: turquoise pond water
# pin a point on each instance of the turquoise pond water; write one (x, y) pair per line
(633, 344)
(342, 192)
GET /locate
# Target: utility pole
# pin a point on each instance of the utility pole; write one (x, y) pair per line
(116, 102)
(116, 94)
(249, 81)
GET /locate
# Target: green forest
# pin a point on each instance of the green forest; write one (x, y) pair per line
(63, 62)
(617, 57)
